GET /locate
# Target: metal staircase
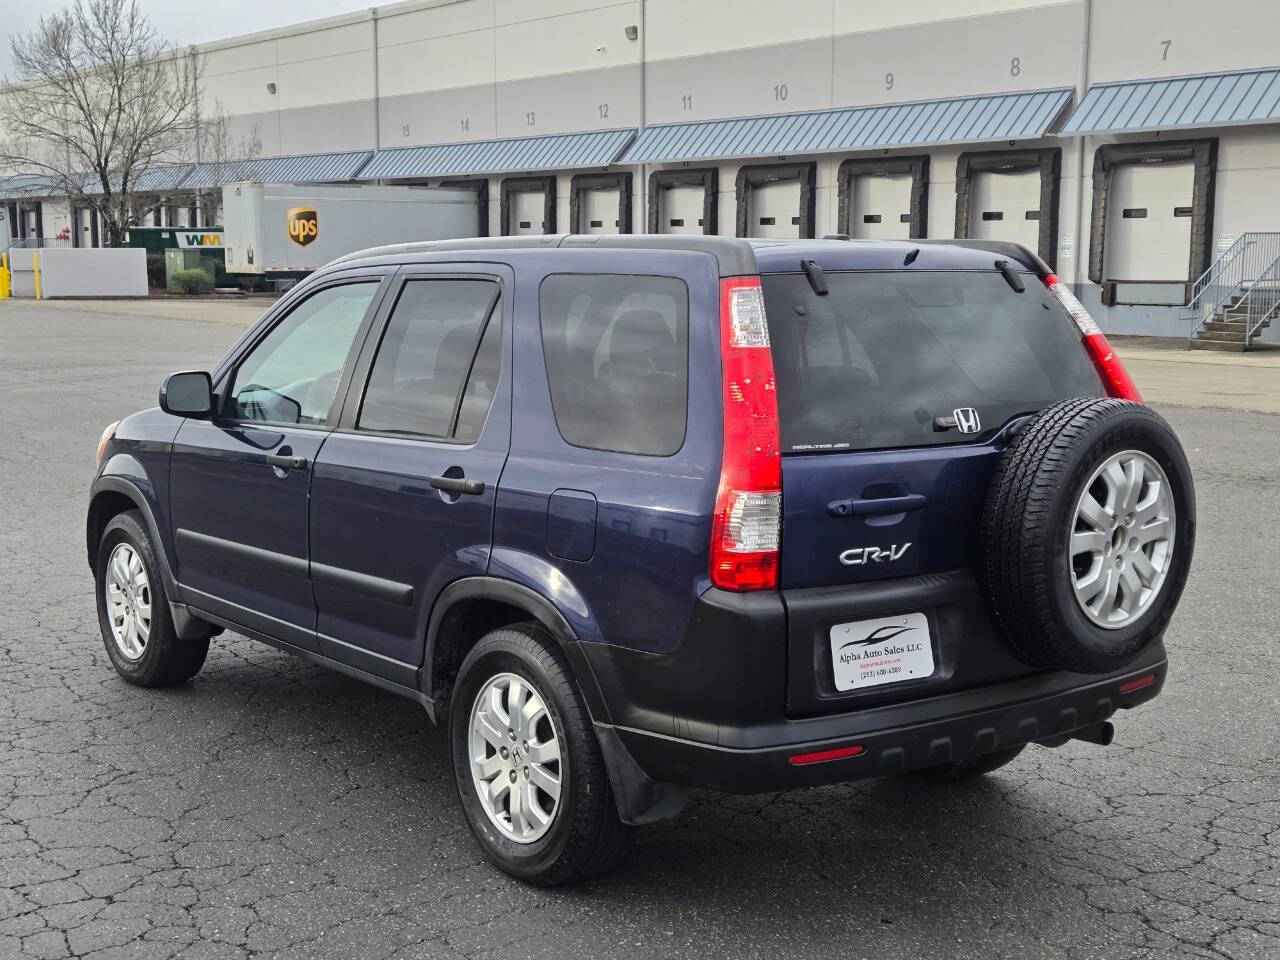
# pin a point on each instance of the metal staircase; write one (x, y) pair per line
(1238, 296)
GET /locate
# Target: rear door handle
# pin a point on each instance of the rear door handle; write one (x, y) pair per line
(458, 485)
(858, 507)
(286, 461)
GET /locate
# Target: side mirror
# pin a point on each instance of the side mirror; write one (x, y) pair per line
(187, 394)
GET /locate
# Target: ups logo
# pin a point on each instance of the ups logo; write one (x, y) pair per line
(303, 225)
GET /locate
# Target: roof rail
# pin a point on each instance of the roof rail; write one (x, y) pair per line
(734, 256)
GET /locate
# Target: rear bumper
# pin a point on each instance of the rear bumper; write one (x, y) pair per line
(895, 739)
(713, 713)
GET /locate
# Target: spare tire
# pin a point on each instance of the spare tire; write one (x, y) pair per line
(1087, 534)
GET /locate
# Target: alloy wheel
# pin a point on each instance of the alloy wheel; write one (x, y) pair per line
(516, 763)
(128, 595)
(1121, 541)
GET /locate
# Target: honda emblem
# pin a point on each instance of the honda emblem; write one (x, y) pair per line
(967, 420)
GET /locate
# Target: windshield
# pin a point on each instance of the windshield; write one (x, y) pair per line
(886, 359)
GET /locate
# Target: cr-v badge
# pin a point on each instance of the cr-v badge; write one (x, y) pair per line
(857, 556)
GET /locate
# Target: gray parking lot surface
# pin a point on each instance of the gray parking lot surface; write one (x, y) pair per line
(271, 809)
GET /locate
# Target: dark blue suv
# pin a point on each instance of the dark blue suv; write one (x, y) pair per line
(638, 515)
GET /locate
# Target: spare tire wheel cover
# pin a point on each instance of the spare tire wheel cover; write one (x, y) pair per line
(1087, 534)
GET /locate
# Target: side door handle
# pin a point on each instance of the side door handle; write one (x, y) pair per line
(472, 488)
(872, 506)
(286, 461)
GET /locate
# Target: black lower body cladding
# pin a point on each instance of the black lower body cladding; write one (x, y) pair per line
(1087, 535)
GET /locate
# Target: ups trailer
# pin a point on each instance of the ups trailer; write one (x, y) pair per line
(283, 231)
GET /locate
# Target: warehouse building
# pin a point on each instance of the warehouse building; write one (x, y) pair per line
(1134, 143)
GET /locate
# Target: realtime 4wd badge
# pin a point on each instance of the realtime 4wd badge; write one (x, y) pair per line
(303, 225)
(868, 653)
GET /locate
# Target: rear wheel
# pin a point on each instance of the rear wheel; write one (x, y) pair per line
(133, 610)
(527, 765)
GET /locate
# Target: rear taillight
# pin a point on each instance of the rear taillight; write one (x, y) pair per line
(1114, 376)
(747, 525)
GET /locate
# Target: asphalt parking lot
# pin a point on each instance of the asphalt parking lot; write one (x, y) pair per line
(270, 809)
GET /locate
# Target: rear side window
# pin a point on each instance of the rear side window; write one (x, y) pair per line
(886, 358)
(617, 352)
(427, 352)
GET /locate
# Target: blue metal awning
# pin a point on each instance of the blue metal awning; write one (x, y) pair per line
(1216, 100)
(308, 168)
(559, 151)
(25, 186)
(1003, 116)
(164, 176)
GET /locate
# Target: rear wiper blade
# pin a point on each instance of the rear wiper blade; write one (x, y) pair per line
(1010, 276)
(817, 279)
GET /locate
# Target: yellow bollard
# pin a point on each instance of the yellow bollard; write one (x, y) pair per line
(35, 265)
(5, 282)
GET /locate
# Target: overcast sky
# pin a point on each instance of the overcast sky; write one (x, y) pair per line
(184, 21)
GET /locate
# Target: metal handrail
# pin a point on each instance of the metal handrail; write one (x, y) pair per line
(37, 243)
(1218, 267)
(1234, 274)
(1268, 314)
(1264, 288)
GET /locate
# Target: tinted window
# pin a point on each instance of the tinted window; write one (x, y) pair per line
(291, 376)
(617, 351)
(880, 359)
(426, 353)
(478, 395)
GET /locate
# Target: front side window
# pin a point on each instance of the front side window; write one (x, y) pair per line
(292, 375)
(617, 353)
(441, 334)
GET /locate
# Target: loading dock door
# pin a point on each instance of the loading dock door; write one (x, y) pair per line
(600, 210)
(774, 210)
(527, 208)
(1006, 206)
(881, 208)
(680, 209)
(1149, 221)
(82, 232)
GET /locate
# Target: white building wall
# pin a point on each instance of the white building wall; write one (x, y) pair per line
(440, 71)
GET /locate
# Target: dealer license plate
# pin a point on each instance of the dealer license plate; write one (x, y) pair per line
(871, 653)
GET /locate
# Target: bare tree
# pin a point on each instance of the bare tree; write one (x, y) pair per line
(98, 99)
(224, 155)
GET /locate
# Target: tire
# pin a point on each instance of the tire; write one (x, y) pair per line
(584, 836)
(977, 766)
(163, 659)
(1035, 508)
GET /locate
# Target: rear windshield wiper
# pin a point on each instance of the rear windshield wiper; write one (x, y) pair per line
(817, 279)
(1010, 276)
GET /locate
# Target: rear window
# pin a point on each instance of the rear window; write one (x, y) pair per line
(886, 358)
(617, 351)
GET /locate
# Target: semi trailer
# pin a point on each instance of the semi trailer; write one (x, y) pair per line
(287, 230)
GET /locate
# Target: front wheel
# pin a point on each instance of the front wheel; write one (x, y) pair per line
(133, 610)
(527, 764)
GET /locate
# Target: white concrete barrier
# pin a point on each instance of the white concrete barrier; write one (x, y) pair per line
(22, 273)
(71, 272)
(89, 272)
